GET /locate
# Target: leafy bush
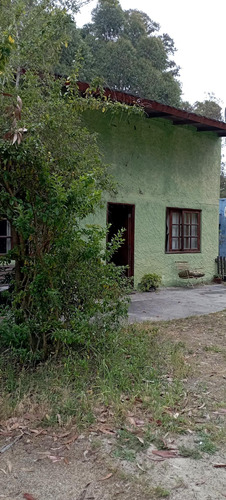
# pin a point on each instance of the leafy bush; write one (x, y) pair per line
(76, 299)
(66, 291)
(149, 282)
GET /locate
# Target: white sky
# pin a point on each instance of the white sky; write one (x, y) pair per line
(198, 28)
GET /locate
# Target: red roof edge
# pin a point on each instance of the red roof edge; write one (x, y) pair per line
(155, 109)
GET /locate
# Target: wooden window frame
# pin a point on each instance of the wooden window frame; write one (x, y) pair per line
(169, 224)
(8, 237)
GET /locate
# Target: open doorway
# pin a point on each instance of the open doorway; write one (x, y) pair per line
(121, 216)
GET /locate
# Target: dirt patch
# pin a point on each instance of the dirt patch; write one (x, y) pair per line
(63, 465)
(204, 338)
(87, 470)
(46, 468)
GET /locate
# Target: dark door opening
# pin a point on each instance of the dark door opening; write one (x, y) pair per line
(121, 216)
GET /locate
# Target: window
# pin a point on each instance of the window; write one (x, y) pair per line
(182, 230)
(5, 236)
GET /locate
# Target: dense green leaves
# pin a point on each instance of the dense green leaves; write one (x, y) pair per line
(108, 20)
(210, 108)
(49, 184)
(51, 179)
(38, 30)
(125, 49)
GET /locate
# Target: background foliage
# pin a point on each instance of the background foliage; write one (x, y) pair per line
(125, 49)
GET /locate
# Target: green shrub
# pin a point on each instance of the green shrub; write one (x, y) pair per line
(65, 291)
(149, 282)
(80, 308)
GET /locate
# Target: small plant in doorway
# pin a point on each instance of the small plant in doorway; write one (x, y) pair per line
(149, 282)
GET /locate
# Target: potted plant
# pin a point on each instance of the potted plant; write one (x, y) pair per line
(149, 282)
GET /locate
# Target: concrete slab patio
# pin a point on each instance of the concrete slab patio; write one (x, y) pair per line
(173, 303)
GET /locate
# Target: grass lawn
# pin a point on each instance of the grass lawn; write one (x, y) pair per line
(164, 377)
(155, 387)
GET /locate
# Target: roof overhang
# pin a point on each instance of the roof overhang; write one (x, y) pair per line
(154, 109)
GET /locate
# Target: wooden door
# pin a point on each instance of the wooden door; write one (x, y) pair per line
(121, 216)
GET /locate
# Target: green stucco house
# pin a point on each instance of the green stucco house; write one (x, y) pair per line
(167, 168)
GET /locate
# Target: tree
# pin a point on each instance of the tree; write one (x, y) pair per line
(125, 49)
(138, 25)
(108, 20)
(5, 51)
(51, 178)
(38, 29)
(210, 108)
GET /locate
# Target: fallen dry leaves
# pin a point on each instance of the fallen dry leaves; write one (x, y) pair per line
(28, 496)
(220, 411)
(106, 477)
(9, 466)
(8, 446)
(106, 430)
(71, 440)
(83, 493)
(166, 453)
(53, 458)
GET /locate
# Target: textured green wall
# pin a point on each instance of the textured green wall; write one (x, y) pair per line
(159, 165)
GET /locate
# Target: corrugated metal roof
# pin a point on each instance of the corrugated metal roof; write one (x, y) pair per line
(154, 109)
